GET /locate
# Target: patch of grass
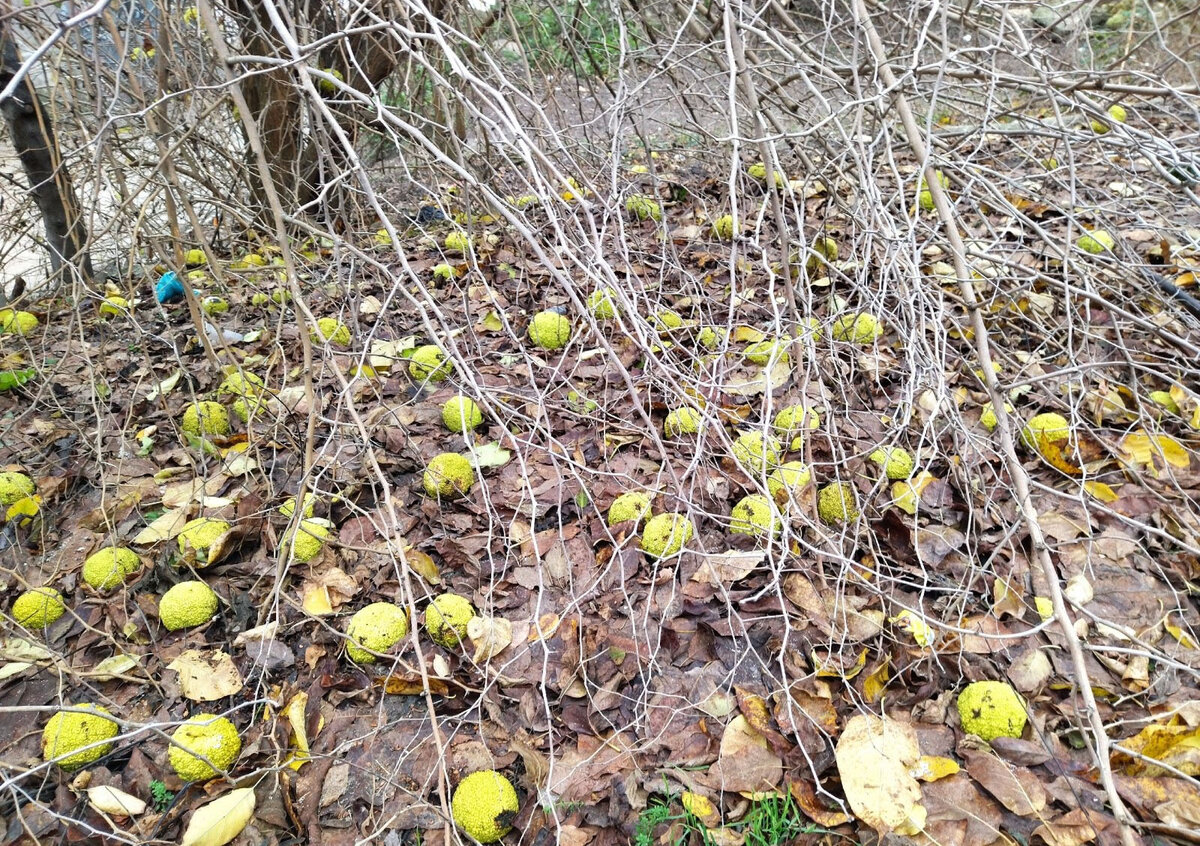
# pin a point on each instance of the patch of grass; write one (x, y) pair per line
(773, 821)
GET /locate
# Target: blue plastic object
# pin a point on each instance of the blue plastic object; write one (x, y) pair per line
(169, 288)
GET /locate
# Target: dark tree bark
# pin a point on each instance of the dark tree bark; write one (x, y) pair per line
(49, 181)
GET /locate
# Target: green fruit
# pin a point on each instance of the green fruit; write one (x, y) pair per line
(666, 534)
(114, 306)
(199, 535)
(213, 306)
(449, 475)
(1095, 242)
(788, 477)
(837, 503)
(17, 322)
(195, 258)
(988, 415)
(861, 329)
(484, 805)
(643, 207)
(446, 619)
(685, 420)
(666, 320)
(376, 628)
(767, 352)
(310, 538)
(602, 304)
(327, 87)
(15, 486)
(68, 738)
(725, 227)
(461, 414)
(332, 330)
(288, 508)
(897, 463)
(549, 330)
(187, 605)
(631, 505)
(755, 453)
(793, 421)
(753, 515)
(758, 171)
(428, 363)
(1044, 429)
(991, 709)
(205, 418)
(925, 196)
(38, 608)
(108, 568)
(458, 242)
(203, 742)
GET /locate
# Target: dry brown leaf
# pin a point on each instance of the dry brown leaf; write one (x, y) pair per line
(491, 636)
(207, 676)
(745, 762)
(874, 756)
(725, 568)
(1016, 789)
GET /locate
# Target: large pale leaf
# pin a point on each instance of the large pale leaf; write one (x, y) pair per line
(221, 820)
(207, 676)
(875, 757)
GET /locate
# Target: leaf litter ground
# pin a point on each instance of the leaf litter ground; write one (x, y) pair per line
(603, 682)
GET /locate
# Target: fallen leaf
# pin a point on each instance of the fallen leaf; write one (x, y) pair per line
(206, 677)
(164, 527)
(221, 820)
(1017, 789)
(1154, 453)
(118, 803)
(1172, 744)
(874, 756)
(745, 761)
(491, 636)
(724, 569)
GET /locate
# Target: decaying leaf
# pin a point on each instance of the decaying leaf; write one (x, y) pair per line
(207, 676)
(874, 758)
(491, 636)
(1156, 454)
(746, 761)
(118, 803)
(221, 820)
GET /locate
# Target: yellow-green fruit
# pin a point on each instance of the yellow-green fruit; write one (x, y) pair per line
(376, 628)
(685, 420)
(1095, 242)
(458, 242)
(1047, 428)
(449, 475)
(195, 258)
(788, 477)
(239, 384)
(753, 515)
(755, 453)
(837, 503)
(549, 330)
(15, 486)
(1117, 112)
(766, 352)
(461, 414)
(205, 418)
(666, 534)
(643, 207)
(709, 336)
(823, 247)
(758, 171)
(445, 272)
(332, 330)
(17, 322)
(288, 508)
(310, 540)
(113, 306)
(793, 421)
(38, 608)
(203, 742)
(446, 619)
(926, 196)
(666, 320)
(260, 299)
(69, 734)
(187, 605)
(325, 85)
(428, 363)
(108, 568)
(988, 415)
(484, 805)
(725, 227)
(249, 404)
(213, 306)
(857, 328)
(897, 462)
(602, 304)
(631, 505)
(991, 709)
(199, 535)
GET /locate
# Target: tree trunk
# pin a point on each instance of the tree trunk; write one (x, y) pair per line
(49, 181)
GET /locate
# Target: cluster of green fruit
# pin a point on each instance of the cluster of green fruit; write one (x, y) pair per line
(378, 627)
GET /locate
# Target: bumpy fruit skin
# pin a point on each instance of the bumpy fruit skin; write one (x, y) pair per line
(484, 804)
(17, 322)
(1116, 111)
(428, 363)
(68, 731)
(200, 534)
(682, 421)
(602, 304)
(325, 85)
(38, 608)
(376, 628)
(643, 207)
(666, 320)
(767, 352)
(458, 242)
(461, 414)
(332, 330)
(755, 453)
(195, 258)
(988, 415)
(108, 568)
(15, 486)
(926, 196)
(1095, 242)
(897, 462)
(1045, 428)
(446, 619)
(753, 515)
(991, 709)
(187, 605)
(758, 171)
(725, 227)
(205, 418)
(549, 330)
(793, 421)
(207, 736)
(310, 540)
(449, 475)
(631, 505)
(710, 336)
(857, 329)
(240, 384)
(666, 534)
(787, 478)
(837, 503)
(288, 508)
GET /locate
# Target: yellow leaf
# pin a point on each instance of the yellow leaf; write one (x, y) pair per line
(113, 666)
(701, 808)
(316, 600)
(295, 717)
(874, 757)
(1179, 634)
(1176, 746)
(933, 767)
(24, 508)
(1153, 452)
(1101, 492)
(829, 669)
(921, 631)
(221, 820)
(875, 682)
